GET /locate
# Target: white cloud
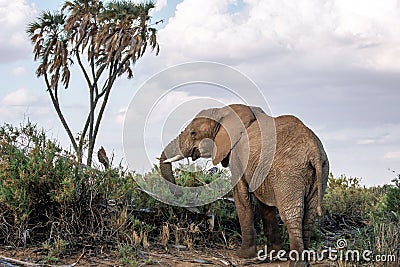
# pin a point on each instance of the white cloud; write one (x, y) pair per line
(20, 97)
(22, 103)
(14, 18)
(120, 118)
(316, 33)
(167, 104)
(382, 135)
(160, 4)
(365, 141)
(385, 135)
(18, 71)
(392, 155)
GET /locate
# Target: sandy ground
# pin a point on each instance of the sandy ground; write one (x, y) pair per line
(158, 257)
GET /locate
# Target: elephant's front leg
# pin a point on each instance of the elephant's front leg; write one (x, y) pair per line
(245, 213)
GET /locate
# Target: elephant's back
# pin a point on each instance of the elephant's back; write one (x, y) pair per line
(290, 133)
(295, 142)
(287, 123)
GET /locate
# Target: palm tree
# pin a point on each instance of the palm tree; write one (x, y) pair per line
(51, 50)
(112, 36)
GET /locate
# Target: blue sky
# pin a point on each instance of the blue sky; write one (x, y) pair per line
(332, 63)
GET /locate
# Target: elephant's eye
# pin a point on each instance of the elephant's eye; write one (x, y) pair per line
(192, 133)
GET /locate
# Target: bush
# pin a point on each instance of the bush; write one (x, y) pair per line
(47, 197)
(32, 171)
(349, 202)
(216, 221)
(366, 217)
(36, 176)
(385, 222)
(392, 200)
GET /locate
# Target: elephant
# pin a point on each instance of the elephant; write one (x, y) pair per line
(277, 159)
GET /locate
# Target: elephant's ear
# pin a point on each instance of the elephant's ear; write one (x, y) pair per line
(233, 121)
(222, 145)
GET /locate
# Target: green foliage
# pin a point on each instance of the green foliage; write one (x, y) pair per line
(42, 185)
(224, 218)
(384, 229)
(34, 171)
(190, 176)
(387, 209)
(48, 198)
(392, 200)
(54, 251)
(346, 197)
(126, 255)
(367, 217)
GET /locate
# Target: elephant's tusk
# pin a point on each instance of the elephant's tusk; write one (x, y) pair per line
(173, 159)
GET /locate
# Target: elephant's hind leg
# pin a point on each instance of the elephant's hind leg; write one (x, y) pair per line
(291, 210)
(271, 227)
(309, 219)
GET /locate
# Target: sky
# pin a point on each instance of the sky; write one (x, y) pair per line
(332, 63)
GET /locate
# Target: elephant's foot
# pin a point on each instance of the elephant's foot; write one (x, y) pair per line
(273, 250)
(299, 264)
(247, 252)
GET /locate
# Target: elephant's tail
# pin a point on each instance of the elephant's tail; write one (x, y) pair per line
(321, 165)
(317, 163)
(318, 172)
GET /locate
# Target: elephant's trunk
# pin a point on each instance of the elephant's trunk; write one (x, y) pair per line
(170, 154)
(166, 169)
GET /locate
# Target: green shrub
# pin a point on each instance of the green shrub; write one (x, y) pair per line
(393, 200)
(126, 254)
(367, 217)
(385, 222)
(54, 251)
(387, 208)
(215, 221)
(346, 198)
(45, 195)
(34, 171)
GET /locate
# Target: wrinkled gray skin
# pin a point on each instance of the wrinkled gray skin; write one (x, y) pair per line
(293, 179)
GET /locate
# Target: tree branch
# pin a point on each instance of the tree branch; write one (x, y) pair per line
(89, 82)
(110, 75)
(56, 93)
(111, 80)
(94, 77)
(60, 114)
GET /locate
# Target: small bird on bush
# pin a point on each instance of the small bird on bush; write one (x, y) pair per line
(102, 156)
